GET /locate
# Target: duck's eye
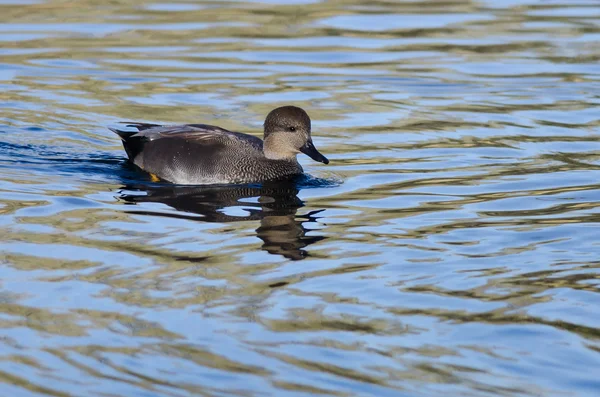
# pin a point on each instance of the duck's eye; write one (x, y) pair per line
(292, 129)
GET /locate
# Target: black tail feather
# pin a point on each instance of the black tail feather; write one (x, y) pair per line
(133, 145)
(127, 134)
(124, 135)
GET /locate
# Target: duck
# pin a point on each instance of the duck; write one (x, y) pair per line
(202, 154)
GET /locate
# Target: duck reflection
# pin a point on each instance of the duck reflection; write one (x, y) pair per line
(275, 206)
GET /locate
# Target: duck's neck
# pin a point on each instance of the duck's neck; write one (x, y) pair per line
(275, 148)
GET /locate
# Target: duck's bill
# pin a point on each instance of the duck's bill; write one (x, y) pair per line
(312, 152)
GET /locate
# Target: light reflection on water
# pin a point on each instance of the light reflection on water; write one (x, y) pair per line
(449, 248)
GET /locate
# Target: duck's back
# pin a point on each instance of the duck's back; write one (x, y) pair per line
(202, 154)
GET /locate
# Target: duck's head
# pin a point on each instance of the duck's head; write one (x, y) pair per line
(287, 133)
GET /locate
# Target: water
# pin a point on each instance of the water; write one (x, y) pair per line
(449, 249)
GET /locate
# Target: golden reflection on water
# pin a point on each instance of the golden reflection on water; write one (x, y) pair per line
(449, 248)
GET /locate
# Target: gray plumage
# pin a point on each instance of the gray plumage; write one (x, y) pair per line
(201, 154)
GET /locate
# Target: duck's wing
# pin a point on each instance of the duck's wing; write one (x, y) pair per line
(196, 133)
(163, 150)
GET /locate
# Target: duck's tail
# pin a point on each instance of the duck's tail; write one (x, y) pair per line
(132, 144)
(124, 135)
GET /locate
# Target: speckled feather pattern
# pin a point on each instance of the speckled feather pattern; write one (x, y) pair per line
(202, 154)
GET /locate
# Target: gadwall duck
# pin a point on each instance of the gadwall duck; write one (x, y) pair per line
(200, 154)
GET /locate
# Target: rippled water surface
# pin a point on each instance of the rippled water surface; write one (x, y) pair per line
(450, 248)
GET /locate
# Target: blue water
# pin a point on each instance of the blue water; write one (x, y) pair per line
(449, 248)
